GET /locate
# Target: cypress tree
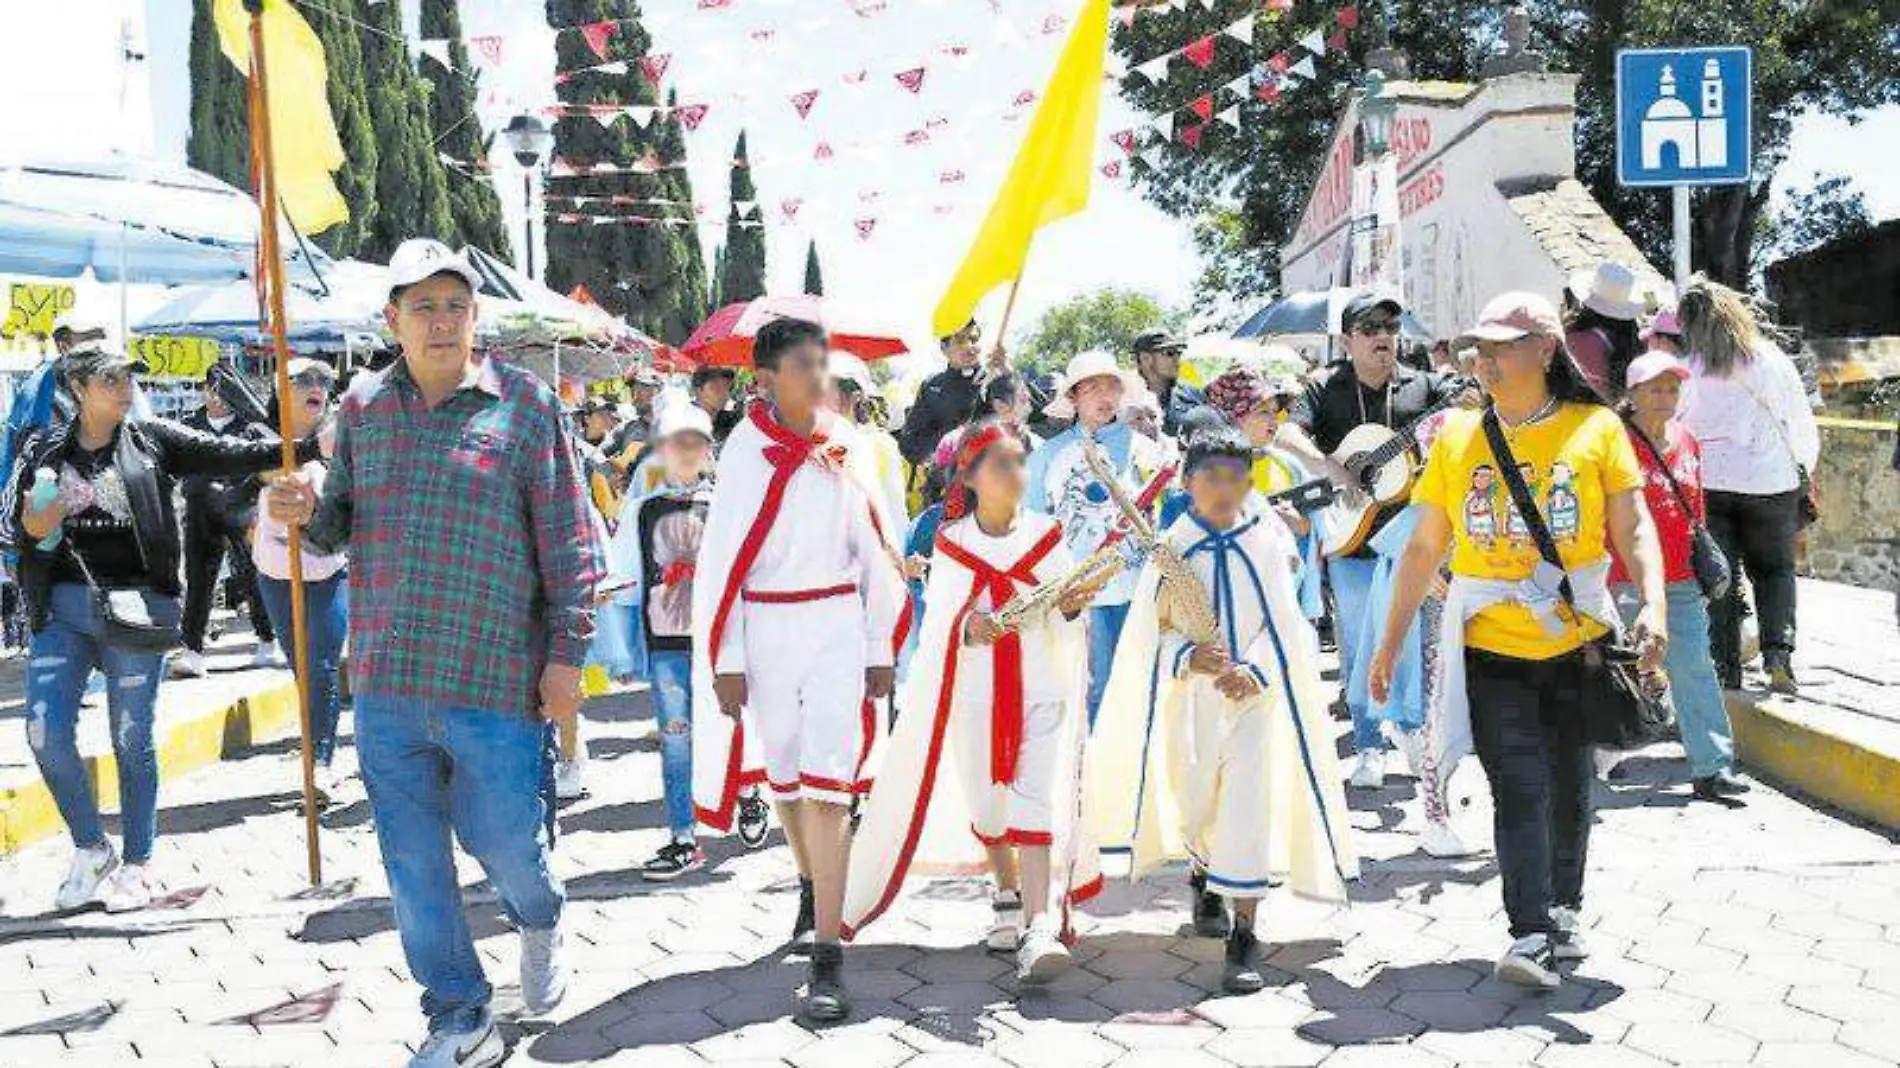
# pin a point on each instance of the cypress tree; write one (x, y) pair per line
(456, 132)
(220, 141)
(693, 296)
(643, 273)
(814, 278)
(349, 107)
(743, 277)
(718, 297)
(411, 190)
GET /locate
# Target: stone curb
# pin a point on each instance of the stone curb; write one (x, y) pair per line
(1772, 736)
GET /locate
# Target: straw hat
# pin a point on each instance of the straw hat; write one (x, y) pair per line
(1092, 364)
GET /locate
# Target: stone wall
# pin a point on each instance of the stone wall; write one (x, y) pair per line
(1857, 540)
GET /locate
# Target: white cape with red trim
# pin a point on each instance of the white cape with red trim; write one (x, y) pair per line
(1302, 813)
(721, 769)
(918, 823)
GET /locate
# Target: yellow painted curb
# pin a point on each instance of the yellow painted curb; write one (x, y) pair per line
(1820, 763)
(27, 812)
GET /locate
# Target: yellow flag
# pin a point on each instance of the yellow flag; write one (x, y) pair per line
(1048, 181)
(304, 146)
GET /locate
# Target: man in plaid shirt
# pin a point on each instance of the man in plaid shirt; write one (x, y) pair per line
(473, 562)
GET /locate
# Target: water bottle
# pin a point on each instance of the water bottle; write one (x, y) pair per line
(44, 491)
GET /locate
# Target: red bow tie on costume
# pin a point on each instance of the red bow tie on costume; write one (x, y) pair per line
(1006, 656)
(677, 572)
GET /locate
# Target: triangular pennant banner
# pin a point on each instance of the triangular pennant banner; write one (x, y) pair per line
(856, 77)
(1200, 53)
(1203, 106)
(1124, 140)
(1154, 156)
(1025, 98)
(823, 151)
(914, 138)
(950, 177)
(489, 48)
(1053, 24)
(1238, 87)
(1191, 136)
(1155, 70)
(1125, 13)
(1207, 5)
(597, 34)
(1280, 62)
(912, 79)
(1304, 69)
(802, 102)
(1164, 125)
(690, 115)
(1112, 169)
(745, 207)
(790, 206)
(1231, 116)
(865, 226)
(654, 65)
(1314, 42)
(436, 50)
(641, 115)
(1269, 92)
(1337, 42)
(607, 116)
(1241, 31)
(1349, 16)
(617, 68)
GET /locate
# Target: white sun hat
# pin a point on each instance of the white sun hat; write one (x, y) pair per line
(1092, 364)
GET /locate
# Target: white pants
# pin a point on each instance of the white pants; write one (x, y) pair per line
(1218, 771)
(805, 697)
(1014, 813)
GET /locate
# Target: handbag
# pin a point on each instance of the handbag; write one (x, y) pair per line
(1620, 710)
(1710, 563)
(1808, 501)
(133, 618)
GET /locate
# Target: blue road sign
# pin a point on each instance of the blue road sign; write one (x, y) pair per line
(1684, 116)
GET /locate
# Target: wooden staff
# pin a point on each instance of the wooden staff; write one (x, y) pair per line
(264, 164)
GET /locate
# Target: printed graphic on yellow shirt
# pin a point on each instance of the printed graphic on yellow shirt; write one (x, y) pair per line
(1489, 508)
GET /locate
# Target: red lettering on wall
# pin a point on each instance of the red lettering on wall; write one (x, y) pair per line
(1411, 139)
(1422, 191)
(1332, 194)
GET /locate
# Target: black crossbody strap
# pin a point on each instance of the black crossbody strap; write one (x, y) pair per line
(1674, 487)
(1526, 507)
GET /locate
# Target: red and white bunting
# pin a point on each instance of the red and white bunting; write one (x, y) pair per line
(1231, 116)
(1348, 16)
(950, 177)
(690, 115)
(1200, 53)
(1241, 30)
(654, 65)
(912, 79)
(802, 102)
(1203, 106)
(823, 151)
(1112, 169)
(489, 47)
(1124, 140)
(864, 228)
(1191, 136)
(790, 206)
(1314, 42)
(598, 34)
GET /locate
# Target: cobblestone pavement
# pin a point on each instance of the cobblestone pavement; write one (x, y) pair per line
(1767, 934)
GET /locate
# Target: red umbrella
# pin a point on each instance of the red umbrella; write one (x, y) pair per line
(725, 338)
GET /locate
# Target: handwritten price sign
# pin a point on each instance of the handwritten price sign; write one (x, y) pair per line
(176, 357)
(35, 309)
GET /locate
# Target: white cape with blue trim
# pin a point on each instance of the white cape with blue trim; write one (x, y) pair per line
(1301, 806)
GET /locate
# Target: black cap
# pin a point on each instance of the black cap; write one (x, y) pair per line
(1364, 304)
(706, 373)
(1158, 341)
(88, 360)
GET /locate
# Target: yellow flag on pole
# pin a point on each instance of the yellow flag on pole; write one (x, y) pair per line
(306, 149)
(1049, 179)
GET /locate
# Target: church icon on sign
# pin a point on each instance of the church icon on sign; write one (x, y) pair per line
(1700, 141)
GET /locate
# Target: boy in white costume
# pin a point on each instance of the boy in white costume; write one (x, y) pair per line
(989, 748)
(1223, 753)
(797, 601)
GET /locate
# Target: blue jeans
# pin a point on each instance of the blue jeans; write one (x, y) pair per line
(1105, 629)
(60, 658)
(1352, 591)
(1701, 714)
(431, 769)
(672, 674)
(326, 615)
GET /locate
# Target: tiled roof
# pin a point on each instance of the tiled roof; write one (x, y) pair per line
(1573, 229)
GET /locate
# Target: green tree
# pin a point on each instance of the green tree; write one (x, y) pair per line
(220, 139)
(693, 292)
(457, 133)
(743, 276)
(814, 275)
(1827, 209)
(412, 194)
(653, 275)
(1106, 319)
(718, 299)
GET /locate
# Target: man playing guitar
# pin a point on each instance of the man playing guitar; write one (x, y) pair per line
(1370, 387)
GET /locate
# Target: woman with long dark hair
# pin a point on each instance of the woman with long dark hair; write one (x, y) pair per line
(1511, 674)
(1745, 403)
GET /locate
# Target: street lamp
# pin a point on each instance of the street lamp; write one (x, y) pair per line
(529, 139)
(1377, 109)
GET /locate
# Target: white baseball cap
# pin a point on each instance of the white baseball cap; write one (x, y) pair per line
(420, 259)
(846, 367)
(680, 418)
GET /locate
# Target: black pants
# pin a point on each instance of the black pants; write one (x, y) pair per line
(1527, 727)
(207, 538)
(1758, 534)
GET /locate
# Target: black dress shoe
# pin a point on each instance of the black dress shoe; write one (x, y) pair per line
(1210, 909)
(1240, 974)
(1724, 783)
(826, 1000)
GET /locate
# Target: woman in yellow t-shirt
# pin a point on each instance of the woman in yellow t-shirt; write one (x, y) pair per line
(1511, 671)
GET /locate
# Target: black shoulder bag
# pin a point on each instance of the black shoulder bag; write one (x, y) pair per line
(134, 619)
(1712, 571)
(1619, 711)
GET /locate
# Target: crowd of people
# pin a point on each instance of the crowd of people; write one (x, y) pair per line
(1029, 626)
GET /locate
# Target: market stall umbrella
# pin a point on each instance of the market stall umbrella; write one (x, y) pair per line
(725, 338)
(1314, 313)
(228, 313)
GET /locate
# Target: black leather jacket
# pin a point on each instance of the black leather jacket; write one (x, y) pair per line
(149, 456)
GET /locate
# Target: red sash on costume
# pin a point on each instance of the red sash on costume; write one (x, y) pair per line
(1006, 723)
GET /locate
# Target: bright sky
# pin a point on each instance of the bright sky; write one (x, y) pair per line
(745, 62)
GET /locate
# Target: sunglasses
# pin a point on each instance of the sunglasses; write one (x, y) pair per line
(118, 376)
(310, 380)
(1370, 327)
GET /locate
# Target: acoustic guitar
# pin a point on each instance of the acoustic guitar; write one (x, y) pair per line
(1384, 464)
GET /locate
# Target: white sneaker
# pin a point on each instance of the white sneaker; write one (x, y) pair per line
(1369, 772)
(479, 1048)
(267, 655)
(570, 779)
(1439, 840)
(543, 980)
(1042, 956)
(188, 664)
(128, 889)
(1411, 745)
(1569, 942)
(1529, 962)
(89, 868)
(1006, 926)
